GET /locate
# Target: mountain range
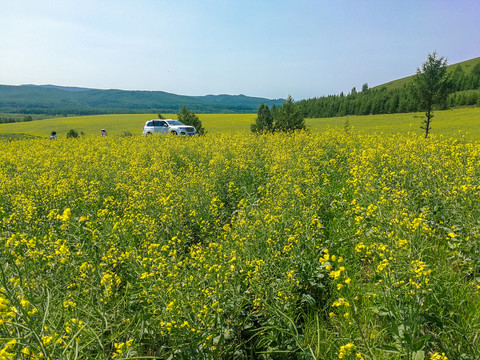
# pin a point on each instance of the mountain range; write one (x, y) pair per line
(63, 100)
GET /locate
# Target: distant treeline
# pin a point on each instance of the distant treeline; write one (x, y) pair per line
(54, 111)
(7, 120)
(77, 111)
(386, 100)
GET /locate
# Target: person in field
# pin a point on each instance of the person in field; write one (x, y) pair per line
(104, 132)
(53, 135)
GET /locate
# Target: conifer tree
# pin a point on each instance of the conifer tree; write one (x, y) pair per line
(264, 121)
(458, 78)
(431, 86)
(289, 117)
(189, 118)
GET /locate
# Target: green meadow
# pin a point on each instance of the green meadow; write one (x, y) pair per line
(119, 123)
(449, 123)
(457, 122)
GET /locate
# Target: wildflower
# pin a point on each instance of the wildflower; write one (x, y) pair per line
(335, 274)
(383, 264)
(118, 349)
(4, 353)
(67, 213)
(25, 303)
(340, 302)
(345, 350)
(437, 356)
(47, 340)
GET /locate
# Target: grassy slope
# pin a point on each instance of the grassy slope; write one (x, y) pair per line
(451, 123)
(467, 67)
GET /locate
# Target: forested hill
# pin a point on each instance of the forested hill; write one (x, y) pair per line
(395, 97)
(58, 100)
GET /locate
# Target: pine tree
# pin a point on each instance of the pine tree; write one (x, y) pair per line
(187, 117)
(458, 78)
(431, 86)
(289, 118)
(264, 120)
(474, 78)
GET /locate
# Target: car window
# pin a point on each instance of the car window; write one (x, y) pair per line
(149, 123)
(159, 123)
(174, 122)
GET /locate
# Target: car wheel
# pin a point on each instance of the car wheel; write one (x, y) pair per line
(173, 133)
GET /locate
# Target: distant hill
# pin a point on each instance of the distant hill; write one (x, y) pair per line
(395, 96)
(56, 100)
(467, 66)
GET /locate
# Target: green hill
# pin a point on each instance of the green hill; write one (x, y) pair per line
(467, 66)
(395, 97)
(57, 100)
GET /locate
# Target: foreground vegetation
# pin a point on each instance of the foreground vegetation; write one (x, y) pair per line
(323, 245)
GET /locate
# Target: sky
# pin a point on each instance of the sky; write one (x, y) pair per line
(265, 48)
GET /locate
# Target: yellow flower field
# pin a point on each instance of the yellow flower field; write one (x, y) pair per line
(234, 246)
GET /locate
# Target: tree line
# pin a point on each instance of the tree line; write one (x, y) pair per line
(465, 92)
(284, 118)
(9, 120)
(431, 87)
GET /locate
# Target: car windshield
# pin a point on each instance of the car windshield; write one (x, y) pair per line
(174, 122)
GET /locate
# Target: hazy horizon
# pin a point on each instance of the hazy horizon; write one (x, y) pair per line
(266, 49)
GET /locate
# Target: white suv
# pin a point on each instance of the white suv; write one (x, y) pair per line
(167, 126)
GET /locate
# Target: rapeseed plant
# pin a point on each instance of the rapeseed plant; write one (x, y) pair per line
(271, 246)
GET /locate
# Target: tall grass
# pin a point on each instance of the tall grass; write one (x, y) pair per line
(309, 245)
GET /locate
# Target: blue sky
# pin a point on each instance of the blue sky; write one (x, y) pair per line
(305, 48)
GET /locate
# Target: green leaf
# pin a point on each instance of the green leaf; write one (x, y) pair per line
(389, 348)
(381, 311)
(419, 355)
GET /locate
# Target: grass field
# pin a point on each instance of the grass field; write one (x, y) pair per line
(116, 124)
(451, 123)
(321, 245)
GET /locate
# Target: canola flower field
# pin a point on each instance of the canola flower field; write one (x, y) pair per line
(332, 245)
